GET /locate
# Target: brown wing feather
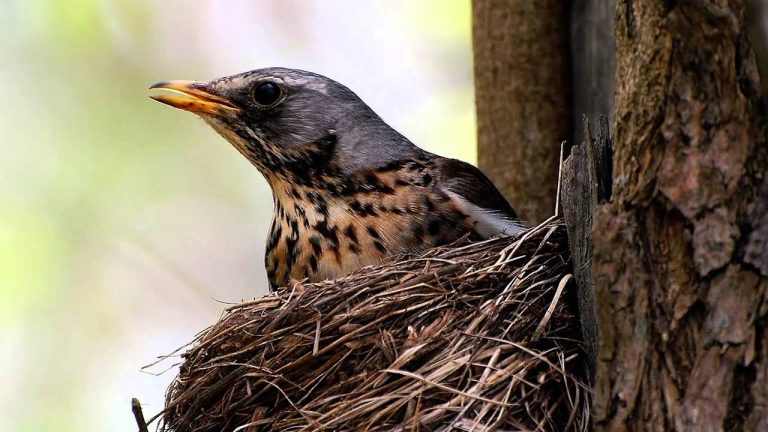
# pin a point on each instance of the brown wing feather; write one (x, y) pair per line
(468, 181)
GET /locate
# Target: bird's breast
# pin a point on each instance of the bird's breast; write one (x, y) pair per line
(329, 229)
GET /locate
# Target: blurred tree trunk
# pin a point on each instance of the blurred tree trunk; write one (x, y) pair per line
(522, 98)
(593, 61)
(681, 252)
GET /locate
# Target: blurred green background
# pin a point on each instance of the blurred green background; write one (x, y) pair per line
(126, 225)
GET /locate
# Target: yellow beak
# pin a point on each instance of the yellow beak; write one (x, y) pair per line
(193, 96)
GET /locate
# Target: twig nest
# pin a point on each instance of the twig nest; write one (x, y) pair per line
(478, 336)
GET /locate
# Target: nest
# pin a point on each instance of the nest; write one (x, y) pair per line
(477, 337)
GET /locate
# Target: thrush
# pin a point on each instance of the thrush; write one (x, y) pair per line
(348, 190)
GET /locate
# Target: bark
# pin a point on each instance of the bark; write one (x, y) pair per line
(679, 256)
(586, 184)
(522, 98)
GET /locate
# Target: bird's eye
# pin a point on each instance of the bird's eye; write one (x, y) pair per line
(266, 94)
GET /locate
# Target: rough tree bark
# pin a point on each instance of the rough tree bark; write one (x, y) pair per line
(680, 254)
(522, 97)
(586, 184)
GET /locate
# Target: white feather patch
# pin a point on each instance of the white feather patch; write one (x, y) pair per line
(487, 222)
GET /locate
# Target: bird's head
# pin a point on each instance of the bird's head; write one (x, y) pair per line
(283, 119)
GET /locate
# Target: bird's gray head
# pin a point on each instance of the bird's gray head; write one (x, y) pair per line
(281, 119)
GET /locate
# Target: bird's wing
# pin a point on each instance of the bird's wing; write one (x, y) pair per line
(475, 194)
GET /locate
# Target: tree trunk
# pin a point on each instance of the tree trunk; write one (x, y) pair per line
(593, 61)
(681, 252)
(522, 97)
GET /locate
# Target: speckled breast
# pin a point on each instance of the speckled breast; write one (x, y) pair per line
(331, 226)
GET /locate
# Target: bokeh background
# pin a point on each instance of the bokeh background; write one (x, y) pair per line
(126, 226)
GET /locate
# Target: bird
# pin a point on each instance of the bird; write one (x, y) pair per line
(348, 190)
